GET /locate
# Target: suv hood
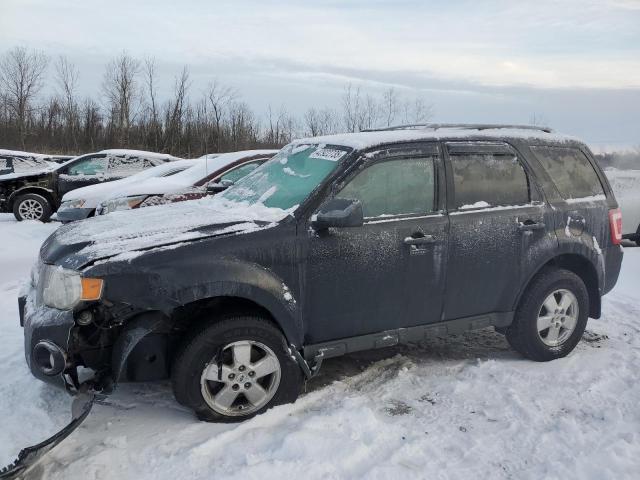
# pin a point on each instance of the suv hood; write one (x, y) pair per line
(127, 234)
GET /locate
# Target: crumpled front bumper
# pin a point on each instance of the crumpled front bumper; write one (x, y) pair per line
(41, 324)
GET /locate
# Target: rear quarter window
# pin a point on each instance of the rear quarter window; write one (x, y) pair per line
(570, 171)
(488, 180)
(5, 166)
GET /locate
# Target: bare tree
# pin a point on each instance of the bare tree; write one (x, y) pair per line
(390, 106)
(154, 125)
(280, 127)
(67, 80)
(320, 122)
(176, 110)
(538, 120)
(21, 74)
(416, 111)
(219, 98)
(121, 91)
(370, 113)
(352, 108)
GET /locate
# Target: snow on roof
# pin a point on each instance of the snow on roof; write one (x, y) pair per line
(139, 153)
(362, 140)
(18, 153)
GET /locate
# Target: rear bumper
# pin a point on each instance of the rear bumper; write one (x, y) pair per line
(74, 214)
(613, 263)
(44, 326)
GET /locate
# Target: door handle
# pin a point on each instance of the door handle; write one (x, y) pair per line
(530, 225)
(422, 240)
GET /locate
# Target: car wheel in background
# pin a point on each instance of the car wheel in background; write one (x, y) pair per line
(551, 317)
(235, 368)
(32, 207)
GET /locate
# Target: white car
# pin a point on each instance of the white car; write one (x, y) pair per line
(209, 175)
(82, 202)
(626, 186)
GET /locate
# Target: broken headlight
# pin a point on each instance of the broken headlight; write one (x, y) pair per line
(64, 289)
(122, 203)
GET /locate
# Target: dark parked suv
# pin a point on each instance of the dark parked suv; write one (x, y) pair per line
(338, 244)
(32, 188)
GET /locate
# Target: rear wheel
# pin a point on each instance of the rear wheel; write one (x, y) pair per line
(234, 369)
(551, 317)
(32, 207)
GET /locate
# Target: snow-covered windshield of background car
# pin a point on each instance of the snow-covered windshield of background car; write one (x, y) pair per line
(29, 164)
(289, 177)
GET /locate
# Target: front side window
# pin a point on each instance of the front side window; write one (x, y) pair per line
(396, 187)
(237, 173)
(570, 171)
(488, 180)
(89, 166)
(287, 179)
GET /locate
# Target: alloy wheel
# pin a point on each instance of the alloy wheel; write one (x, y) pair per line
(242, 379)
(558, 317)
(30, 209)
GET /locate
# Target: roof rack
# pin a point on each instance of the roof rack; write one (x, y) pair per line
(465, 126)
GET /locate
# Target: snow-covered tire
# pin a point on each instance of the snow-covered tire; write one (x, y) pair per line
(32, 206)
(555, 288)
(210, 362)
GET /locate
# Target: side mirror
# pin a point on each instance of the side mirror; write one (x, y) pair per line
(213, 188)
(339, 213)
(100, 176)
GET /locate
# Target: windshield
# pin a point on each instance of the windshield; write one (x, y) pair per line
(289, 177)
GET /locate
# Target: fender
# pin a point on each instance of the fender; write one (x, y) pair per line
(167, 286)
(584, 248)
(49, 193)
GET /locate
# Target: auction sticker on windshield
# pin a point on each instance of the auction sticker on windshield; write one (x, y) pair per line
(332, 154)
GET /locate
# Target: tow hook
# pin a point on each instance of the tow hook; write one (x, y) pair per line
(309, 371)
(30, 456)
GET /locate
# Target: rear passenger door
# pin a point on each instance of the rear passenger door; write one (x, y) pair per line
(581, 209)
(496, 216)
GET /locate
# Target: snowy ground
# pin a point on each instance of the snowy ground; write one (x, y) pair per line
(464, 407)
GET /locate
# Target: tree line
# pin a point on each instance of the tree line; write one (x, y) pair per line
(127, 111)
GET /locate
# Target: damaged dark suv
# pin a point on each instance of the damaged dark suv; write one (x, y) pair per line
(338, 244)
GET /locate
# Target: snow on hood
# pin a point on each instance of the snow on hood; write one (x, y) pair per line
(146, 228)
(94, 194)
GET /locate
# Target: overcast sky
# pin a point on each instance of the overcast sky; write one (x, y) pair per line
(574, 63)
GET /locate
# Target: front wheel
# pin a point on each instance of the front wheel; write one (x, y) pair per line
(551, 317)
(32, 207)
(234, 369)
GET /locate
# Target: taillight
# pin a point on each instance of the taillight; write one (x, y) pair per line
(615, 225)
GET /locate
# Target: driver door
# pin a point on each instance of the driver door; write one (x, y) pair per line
(389, 272)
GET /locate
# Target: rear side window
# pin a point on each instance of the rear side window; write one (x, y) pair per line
(488, 180)
(125, 166)
(396, 187)
(29, 164)
(5, 166)
(570, 170)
